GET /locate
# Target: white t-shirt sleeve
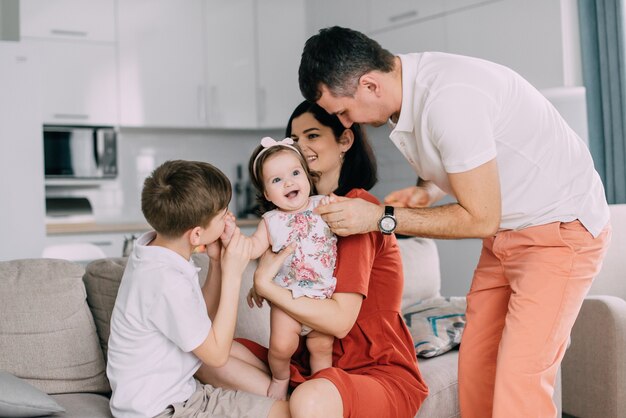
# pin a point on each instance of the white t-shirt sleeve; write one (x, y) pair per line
(460, 123)
(180, 313)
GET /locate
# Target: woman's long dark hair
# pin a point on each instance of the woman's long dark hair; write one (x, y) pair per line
(359, 164)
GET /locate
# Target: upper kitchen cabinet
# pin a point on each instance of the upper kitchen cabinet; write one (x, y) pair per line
(509, 32)
(279, 44)
(161, 46)
(92, 20)
(76, 43)
(253, 53)
(354, 14)
(79, 82)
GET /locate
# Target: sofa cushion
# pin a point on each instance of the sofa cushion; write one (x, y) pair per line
(436, 324)
(19, 399)
(102, 280)
(440, 374)
(420, 263)
(84, 405)
(47, 332)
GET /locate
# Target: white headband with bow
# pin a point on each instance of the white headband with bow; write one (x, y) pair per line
(268, 143)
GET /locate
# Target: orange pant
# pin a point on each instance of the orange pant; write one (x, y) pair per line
(526, 292)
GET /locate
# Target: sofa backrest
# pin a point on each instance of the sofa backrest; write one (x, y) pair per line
(612, 278)
(102, 277)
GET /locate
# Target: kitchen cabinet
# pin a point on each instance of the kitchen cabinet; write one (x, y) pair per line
(231, 63)
(79, 82)
(22, 211)
(92, 20)
(388, 14)
(112, 244)
(253, 54)
(280, 40)
(353, 14)
(161, 48)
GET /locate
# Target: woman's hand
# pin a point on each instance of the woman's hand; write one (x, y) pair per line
(268, 267)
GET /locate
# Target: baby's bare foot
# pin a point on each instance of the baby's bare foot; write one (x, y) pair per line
(278, 389)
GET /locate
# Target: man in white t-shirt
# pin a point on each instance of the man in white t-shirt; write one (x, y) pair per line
(165, 328)
(522, 180)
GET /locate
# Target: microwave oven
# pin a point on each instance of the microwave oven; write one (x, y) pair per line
(80, 152)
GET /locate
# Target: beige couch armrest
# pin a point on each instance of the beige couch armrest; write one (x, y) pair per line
(594, 367)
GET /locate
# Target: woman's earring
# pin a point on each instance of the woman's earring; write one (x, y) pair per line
(341, 155)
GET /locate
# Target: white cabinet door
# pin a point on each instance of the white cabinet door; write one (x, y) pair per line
(22, 211)
(530, 45)
(68, 19)
(79, 82)
(428, 35)
(161, 63)
(231, 64)
(111, 244)
(353, 14)
(279, 42)
(386, 14)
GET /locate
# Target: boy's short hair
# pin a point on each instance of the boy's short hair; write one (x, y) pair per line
(180, 195)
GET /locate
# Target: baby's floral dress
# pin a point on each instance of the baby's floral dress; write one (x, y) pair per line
(309, 270)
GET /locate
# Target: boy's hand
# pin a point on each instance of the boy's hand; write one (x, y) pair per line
(214, 249)
(229, 228)
(254, 297)
(236, 255)
(268, 267)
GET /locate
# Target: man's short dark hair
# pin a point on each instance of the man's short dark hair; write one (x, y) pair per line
(337, 58)
(180, 195)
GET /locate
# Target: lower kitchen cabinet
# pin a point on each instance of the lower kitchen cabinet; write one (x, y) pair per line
(111, 244)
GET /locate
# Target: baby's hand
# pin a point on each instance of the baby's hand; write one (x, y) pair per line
(253, 296)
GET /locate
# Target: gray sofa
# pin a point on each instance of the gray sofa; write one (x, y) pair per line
(55, 325)
(594, 367)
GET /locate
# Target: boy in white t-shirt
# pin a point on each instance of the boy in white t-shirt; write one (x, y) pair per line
(164, 326)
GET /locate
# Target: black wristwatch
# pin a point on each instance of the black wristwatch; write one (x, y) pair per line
(387, 224)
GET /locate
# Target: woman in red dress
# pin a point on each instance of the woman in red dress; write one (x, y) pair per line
(374, 371)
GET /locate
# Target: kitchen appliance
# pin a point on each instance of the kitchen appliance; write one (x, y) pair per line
(80, 152)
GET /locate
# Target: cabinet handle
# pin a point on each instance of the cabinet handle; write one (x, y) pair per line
(262, 104)
(202, 116)
(213, 113)
(403, 16)
(65, 32)
(70, 116)
(102, 243)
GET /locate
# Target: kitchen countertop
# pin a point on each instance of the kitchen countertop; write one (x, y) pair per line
(115, 227)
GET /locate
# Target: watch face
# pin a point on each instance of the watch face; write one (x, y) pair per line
(387, 223)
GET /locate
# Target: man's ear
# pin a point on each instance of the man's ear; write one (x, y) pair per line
(370, 82)
(346, 140)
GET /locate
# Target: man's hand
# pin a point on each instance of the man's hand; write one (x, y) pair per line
(346, 216)
(268, 266)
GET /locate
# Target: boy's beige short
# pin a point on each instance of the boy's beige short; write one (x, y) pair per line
(209, 401)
